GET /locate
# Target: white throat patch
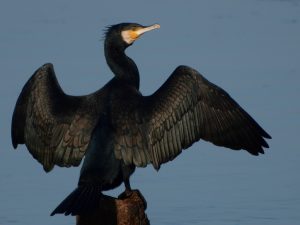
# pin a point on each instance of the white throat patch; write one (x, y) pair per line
(127, 36)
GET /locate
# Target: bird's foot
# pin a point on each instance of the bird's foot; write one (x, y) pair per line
(126, 194)
(129, 193)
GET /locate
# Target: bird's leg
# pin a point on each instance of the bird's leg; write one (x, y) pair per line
(127, 171)
(128, 190)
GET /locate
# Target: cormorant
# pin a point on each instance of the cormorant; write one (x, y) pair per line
(118, 129)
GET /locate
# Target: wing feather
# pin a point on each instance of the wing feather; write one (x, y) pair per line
(205, 111)
(185, 109)
(54, 126)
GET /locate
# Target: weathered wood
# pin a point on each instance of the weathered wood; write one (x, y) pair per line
(129, 210)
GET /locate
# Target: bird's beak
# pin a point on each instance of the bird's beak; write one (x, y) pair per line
(129, 36)
(143, 30)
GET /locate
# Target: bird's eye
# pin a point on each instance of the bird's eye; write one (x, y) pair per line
(134, 28)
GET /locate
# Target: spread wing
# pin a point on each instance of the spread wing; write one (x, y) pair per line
(185, 109)
(55, 127)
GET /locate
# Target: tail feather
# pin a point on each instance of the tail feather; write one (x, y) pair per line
(82, 200)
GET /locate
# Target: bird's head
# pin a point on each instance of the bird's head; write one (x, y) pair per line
(124, 34)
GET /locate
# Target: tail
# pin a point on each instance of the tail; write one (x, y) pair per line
(82, 200)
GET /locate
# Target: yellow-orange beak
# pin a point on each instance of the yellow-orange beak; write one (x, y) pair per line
(129, 36)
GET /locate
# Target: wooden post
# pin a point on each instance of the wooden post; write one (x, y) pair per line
(128, 210)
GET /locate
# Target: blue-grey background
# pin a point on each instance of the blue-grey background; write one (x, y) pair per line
(251, 48)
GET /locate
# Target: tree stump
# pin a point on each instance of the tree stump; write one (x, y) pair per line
(129, 210)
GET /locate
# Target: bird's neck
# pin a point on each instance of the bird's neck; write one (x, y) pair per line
(121, 65)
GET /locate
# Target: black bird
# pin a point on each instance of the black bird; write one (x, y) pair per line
(117, 128)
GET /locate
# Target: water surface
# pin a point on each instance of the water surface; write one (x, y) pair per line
(250, 48)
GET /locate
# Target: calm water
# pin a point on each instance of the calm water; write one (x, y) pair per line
(250, 48)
